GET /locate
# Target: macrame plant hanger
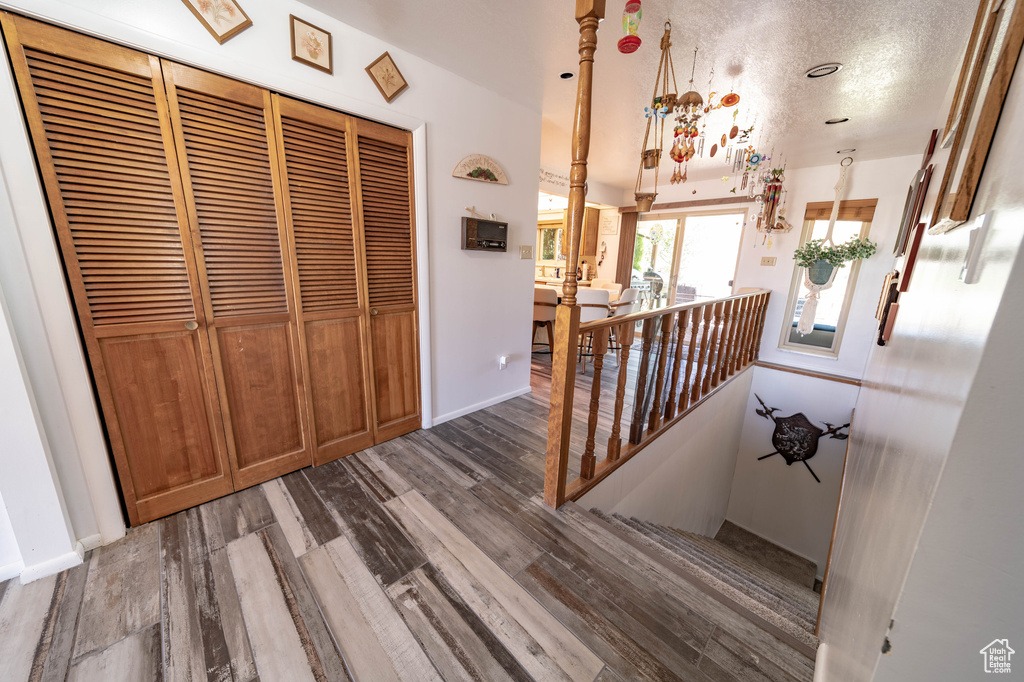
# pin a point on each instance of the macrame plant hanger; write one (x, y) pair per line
(806, 324)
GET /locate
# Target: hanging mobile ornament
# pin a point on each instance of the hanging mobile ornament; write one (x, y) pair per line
(661, 106)
(631, 16)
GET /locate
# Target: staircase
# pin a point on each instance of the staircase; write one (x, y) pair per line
(791, 607)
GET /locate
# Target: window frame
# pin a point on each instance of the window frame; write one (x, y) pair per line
(861, 211)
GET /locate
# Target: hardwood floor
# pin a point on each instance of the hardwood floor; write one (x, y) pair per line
(426, 557)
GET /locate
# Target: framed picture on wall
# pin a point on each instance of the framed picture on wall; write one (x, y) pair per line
(224, 19)
(311, 45)
(992, 59)
(389, 80)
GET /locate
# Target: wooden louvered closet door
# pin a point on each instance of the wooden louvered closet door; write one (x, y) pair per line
(385, 207)
(227, 151)
(99, 123)
(316, 168)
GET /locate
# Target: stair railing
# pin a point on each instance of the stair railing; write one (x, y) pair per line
(686, 353)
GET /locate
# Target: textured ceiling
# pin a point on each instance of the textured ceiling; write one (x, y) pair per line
(898, 60)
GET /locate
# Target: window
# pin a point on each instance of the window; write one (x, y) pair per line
(679, 258)
(834, 303)
(549, 241)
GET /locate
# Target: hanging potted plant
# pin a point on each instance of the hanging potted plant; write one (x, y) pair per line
(822, 259)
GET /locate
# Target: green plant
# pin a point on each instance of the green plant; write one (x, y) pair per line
(837, 255)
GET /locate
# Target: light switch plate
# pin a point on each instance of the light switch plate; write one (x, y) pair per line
(768, 260)
(526, 252)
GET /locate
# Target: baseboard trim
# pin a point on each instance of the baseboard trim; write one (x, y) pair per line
(11, 570)
(479, 406)
(92, 541)
(53, 566)
(779, 544)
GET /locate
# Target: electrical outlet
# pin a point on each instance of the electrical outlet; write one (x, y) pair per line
(526, 252)
(768, 260)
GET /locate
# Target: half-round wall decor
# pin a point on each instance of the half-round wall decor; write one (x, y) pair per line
(480, 167)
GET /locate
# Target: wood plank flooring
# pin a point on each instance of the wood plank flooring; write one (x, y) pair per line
(428, 557)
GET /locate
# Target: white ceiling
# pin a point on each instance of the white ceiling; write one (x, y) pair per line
(898, 60)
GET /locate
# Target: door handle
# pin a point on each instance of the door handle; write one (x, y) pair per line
(373, 311)
(191, 325)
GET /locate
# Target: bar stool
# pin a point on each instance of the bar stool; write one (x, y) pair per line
(545, 301)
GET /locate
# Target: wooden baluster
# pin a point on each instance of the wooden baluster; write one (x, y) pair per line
(748, 334)
(599, 348)
(748, 316)
(706, 386)
(695, 394)
(691, 351)
(636, 426)
(659, 382)
(722, 361)
(752, 341)
(756, 345)
(567, 317)
(624, 332)
(670, 407)
(736, 336)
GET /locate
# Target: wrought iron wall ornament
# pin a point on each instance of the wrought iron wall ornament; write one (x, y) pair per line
(796, 438)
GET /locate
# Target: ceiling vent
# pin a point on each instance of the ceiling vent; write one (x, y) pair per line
(823, 70)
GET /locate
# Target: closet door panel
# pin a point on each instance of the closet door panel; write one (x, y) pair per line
(99, 123)
(228, 155)
(260, 380)
(167, 418)
(316, 167)
(338, 387)
(386, 208)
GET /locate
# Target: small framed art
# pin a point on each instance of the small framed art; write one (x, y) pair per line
(224, 19)
(386, 76)
(311, 45)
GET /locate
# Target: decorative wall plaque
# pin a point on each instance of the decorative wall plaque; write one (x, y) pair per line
(480, 167)
(796, 438)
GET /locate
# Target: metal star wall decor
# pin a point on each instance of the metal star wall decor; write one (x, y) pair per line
(796, 438)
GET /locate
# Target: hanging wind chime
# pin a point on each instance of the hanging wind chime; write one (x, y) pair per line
(661, 106)
(689, 109)
(631, 15)
(772, 218)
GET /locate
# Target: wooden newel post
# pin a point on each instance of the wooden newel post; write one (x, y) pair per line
(567, 316)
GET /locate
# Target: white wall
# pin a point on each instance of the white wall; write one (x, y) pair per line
(475, 306)
(10, 556)
(948, 384)
(35, 511)
(682, 479)
(783, 502)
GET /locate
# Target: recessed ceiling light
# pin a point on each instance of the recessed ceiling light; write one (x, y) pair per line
(822, 70)
(833, 121)
(567, 75)
(846, 151)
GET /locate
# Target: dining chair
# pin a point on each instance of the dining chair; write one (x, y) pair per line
(545, 301)
(594, 306)
(613, 287)
(626, 304)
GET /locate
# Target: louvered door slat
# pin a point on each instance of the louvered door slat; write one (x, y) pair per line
(98, 118)
(119, 167)
(387, 237)
(226, 235)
